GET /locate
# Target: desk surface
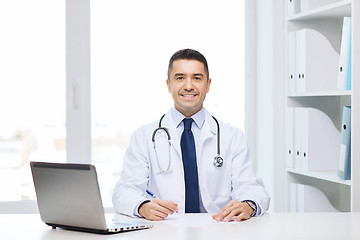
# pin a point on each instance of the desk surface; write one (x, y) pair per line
(200, 226)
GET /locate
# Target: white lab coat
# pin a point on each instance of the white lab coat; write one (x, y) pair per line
(218, 185)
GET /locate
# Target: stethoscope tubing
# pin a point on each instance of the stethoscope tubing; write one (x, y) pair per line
(218, 160)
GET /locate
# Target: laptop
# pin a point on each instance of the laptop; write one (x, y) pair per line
(68, 197)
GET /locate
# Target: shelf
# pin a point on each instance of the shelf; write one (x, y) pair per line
(335, 10)
(329, 176)
(319, 94)
(322, 22)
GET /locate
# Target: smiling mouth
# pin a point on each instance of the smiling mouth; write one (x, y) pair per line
(188, 95)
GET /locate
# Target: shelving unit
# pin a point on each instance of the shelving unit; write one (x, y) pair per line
(323, 24)
(329, 176)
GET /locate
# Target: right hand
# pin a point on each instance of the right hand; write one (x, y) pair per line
(157, 209)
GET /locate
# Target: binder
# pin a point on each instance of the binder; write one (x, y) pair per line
(304, 5)
(311, 199)
(299, 121)
(344, 69)
(314, 72)
(316, 141)
(290, 159)
(291, 61)
(307, 5)
(293, 7)
(300, 60)
(344, 171)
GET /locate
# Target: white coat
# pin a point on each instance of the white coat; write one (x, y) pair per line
(217, 185)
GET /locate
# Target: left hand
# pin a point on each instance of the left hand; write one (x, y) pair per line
(239, 210)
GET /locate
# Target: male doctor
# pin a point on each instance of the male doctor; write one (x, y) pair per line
(159, 178)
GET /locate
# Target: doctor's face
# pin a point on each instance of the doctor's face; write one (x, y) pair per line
(188, 85)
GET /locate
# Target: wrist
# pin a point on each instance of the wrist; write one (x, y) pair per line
(252, 205)
(141, 208)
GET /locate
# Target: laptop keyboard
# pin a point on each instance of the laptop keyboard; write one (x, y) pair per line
(123, 225)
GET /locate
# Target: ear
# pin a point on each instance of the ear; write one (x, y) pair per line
(208, 85)
(168, 85)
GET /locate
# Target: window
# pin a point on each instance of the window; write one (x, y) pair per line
(131, 43)
(32, 91)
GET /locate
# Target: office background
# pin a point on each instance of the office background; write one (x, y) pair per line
(68, 67)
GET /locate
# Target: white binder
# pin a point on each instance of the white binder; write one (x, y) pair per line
(316, 140)
(299, 121)
(344, 69)
(293, 7)
(314, 72)
(311, 199)
(300, 60)
(290, 156)
(291, 61)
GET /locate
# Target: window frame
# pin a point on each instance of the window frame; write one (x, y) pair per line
(78, 97)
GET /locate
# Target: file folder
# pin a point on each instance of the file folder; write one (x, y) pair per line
(316, 141)
(313, 71)
(292, 66)
(344, 70)
(290, 156)
(293, 7)
(344, 171)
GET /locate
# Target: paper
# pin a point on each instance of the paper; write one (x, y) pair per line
(191, 220)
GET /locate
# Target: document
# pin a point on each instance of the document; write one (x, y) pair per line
(192, 220)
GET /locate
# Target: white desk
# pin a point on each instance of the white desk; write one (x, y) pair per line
(199, 226)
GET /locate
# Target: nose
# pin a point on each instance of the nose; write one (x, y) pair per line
(188, 84)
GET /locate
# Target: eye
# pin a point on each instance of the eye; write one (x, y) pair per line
(179, 78)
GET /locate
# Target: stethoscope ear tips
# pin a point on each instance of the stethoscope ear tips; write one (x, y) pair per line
(218, 161)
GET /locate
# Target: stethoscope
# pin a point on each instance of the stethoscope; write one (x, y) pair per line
(218, 160)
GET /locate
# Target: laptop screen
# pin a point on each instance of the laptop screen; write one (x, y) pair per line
(68, 194)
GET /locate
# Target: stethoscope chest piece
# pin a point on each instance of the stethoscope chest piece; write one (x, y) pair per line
(218, 161)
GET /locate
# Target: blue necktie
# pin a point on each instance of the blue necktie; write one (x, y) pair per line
(187, 144)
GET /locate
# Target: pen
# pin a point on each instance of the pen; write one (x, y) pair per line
(151, 194)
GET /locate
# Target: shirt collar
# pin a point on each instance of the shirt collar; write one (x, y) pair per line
(199, 117)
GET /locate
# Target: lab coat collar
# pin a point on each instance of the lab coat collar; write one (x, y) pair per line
(208, 128)
(199, 117)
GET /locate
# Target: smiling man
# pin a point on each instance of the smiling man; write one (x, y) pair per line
(189, 85)
(175, 164)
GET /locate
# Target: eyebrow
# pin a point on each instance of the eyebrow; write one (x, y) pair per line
(198, 74)
(182, 74)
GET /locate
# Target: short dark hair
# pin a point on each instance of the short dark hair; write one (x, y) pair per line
(188, 54)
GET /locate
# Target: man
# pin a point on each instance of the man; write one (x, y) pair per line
(183, 174)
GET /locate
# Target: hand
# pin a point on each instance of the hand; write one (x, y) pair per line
(241, 210)
(157, 209)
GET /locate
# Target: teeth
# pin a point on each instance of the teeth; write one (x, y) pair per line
(189, 95)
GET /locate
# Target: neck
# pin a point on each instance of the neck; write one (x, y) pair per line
(189, 113)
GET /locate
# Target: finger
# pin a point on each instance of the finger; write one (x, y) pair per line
(225, 211)
(148, 211)
(242, 216)
(163, 210)
(167, 206)
(159, 215)
(232, 214)
(154, 212)
(222, 214)
(229, 205)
